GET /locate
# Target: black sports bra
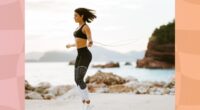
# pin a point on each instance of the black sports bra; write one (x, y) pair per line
(79, 34)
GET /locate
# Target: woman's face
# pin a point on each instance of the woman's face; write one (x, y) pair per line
(77, 17)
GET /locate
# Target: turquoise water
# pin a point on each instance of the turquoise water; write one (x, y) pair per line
(62, 73)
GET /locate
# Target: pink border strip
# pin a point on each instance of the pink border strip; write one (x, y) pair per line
(12, 54)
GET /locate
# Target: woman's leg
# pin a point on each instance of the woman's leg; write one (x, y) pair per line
(80, 73)
(76, 76)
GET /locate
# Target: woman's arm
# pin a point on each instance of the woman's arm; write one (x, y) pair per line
(73, 45)
(87, 31)
(70, 45)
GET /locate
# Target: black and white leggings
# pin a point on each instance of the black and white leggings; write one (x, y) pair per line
(82, 62)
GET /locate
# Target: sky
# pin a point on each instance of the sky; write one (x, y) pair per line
(121, 25)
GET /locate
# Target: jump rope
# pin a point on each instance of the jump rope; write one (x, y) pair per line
(117, 43)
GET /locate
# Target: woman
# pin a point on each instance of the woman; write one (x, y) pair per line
(83, 39)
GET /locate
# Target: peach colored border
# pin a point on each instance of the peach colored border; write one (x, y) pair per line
(12, 55)
(187, 55)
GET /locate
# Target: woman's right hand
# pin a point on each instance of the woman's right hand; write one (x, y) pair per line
(68, 46)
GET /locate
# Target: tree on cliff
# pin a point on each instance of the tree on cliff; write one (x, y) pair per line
(164, 34)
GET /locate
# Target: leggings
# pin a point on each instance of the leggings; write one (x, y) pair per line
(82, 62)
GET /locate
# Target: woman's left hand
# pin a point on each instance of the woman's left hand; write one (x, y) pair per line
(90, 43)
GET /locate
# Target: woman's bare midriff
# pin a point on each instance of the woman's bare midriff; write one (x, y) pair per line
(80, 42)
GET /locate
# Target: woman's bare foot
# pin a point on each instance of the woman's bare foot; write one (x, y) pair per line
(88, 106)
(88, 101)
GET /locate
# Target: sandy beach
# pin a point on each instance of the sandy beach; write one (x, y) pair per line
(106, 101)
(122, 94)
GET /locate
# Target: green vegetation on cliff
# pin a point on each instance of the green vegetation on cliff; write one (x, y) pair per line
(165, 34)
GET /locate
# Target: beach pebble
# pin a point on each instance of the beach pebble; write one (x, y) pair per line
(33, 95)
(28, 86)
(105, 78)
(142, 90)
(119, 89)
(72, 93)
(59, 90)
(49, 96)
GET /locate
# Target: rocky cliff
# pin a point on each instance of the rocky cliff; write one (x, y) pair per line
(160, 51)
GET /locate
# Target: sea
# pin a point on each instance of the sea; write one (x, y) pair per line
(61, 73)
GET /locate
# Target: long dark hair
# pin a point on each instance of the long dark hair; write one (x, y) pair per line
(88, 14)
